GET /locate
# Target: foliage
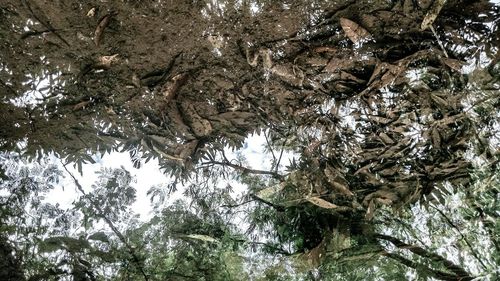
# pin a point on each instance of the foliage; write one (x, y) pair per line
(387, 111)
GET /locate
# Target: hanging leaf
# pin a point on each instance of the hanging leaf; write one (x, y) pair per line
(321, 203)
(202, 237)
(99, 236)
(80, 105)
(432, 14)
(385, 138)
(50, 244)
(436, 138)
(354, 31)
(337, 181)
(370, 211)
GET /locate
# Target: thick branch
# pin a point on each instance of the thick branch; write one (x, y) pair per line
(460, 273)
(438, 274)
(276, 207)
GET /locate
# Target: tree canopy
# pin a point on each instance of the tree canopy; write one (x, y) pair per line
(387, 111)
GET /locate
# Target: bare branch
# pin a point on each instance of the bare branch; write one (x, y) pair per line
(281, 154)
(244, 169)
(270, 147)
(276, 207)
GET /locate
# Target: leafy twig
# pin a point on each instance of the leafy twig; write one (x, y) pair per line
(117, 232)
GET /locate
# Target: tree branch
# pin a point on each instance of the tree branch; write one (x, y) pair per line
(276, 207)
(244, 169)
(270, 147)
(44, 22)
(438, 274)
(236, 205)
(474, 253)
(460, 273)
(281, 154)
(270, 246)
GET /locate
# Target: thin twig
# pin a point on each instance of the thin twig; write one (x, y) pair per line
(281, 154)
(276, 207)
(270, 147)
(439, 41)
(46, 24)
(461, 234)
(244, 169)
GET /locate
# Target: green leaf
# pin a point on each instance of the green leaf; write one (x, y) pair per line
(51, 244)
(100, 236)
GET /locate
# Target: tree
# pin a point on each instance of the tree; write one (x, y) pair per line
(374, 98)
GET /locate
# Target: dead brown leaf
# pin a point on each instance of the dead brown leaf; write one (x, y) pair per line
(103, 23)
(80, 105)
(348, 76)
(453, 63)
(370, 211)
(321, 203)
(336, 64)
(170, 89)
(354, 31)
(439, 100)
(337, 181)
(364, 168)
(289, 74)
(385, 138)
(105, 62)
(436, 138)
(325, 50)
